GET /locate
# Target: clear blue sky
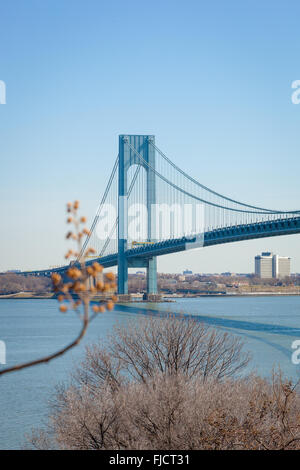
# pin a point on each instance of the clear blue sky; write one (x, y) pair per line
(212, 81)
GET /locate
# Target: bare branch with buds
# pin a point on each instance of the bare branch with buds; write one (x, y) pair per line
(81, 285)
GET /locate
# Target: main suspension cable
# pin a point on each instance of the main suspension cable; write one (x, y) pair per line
(271, 211)
(166, 180)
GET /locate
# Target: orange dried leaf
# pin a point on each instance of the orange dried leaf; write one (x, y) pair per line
(98, 268)
(110, 276)
(56, 278)
(110, 305)
(100, 285)
(90, 270)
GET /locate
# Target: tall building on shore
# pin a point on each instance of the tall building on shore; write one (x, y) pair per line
(281, 266)
(264, 265)
(268, 265)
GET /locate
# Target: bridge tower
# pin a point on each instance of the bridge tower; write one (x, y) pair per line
(128, 157)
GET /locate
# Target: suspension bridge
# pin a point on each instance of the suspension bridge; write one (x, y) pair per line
(151, 207)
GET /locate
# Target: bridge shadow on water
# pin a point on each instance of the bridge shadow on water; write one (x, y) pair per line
(240, 327)
(216, 321)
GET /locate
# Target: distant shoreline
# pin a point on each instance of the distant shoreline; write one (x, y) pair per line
(31, 296)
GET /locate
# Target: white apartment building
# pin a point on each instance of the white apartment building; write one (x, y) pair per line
(264, 265)
(281, 266)
(269, 266)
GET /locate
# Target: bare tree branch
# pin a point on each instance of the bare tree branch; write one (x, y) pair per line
(78, 291)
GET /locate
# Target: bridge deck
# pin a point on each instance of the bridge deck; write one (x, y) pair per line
(287, 226)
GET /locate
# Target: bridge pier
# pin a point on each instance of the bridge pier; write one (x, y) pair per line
(151, 267)
(152, 276)
(130, 147)
(122, 273)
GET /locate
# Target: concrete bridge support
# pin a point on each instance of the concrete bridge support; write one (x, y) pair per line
(127, 157)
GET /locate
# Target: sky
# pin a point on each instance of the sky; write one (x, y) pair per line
(211, 80)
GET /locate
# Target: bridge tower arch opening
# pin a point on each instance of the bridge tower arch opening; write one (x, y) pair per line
(127, 158)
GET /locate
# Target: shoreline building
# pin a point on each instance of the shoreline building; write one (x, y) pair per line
(281, 266)
(268, 266)
(264, 265)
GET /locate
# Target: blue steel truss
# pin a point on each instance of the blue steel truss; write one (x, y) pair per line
(215, 237)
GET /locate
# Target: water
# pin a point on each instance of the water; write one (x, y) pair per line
(33, 328)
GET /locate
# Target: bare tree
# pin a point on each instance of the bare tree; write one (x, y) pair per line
(173, 412)
(163, 345)
(135, 392)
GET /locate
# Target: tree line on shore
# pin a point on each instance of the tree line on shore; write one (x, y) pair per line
(11, 283)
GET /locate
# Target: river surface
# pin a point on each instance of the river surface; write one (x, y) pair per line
(33, 328)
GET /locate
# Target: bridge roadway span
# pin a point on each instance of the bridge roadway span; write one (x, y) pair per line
(286, 226)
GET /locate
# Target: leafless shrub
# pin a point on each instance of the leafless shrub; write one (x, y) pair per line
(173, 412)
(169, 383)
(161, 383)
(166, 345)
